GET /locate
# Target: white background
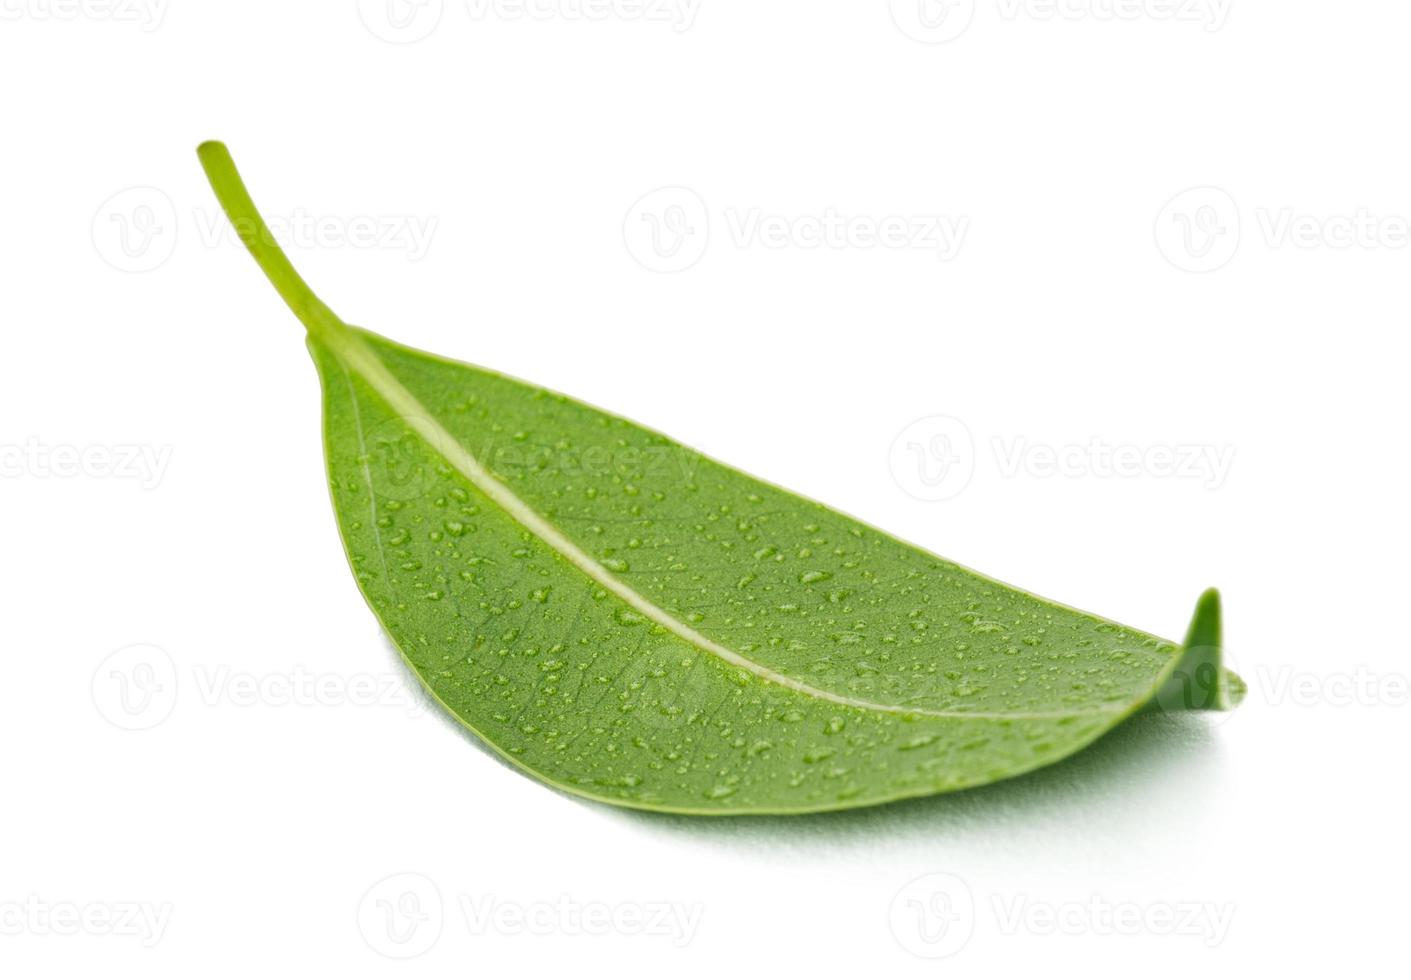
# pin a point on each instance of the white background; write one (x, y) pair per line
(1080, 317)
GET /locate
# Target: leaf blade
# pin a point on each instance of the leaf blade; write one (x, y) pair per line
(917, 749)
(686, 638)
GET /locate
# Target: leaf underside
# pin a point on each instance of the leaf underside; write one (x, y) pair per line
(631, 621)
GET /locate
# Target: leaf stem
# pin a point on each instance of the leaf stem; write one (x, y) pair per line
(316, 317)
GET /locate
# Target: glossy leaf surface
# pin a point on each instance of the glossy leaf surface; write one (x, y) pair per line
(631, 621)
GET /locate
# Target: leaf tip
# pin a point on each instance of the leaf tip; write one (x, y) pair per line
(1199, 681)
(1205, 628)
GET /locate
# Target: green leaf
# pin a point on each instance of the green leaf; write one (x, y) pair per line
(628, 620)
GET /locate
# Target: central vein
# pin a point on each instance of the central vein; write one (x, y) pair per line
(362, 360)
(326, 328)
